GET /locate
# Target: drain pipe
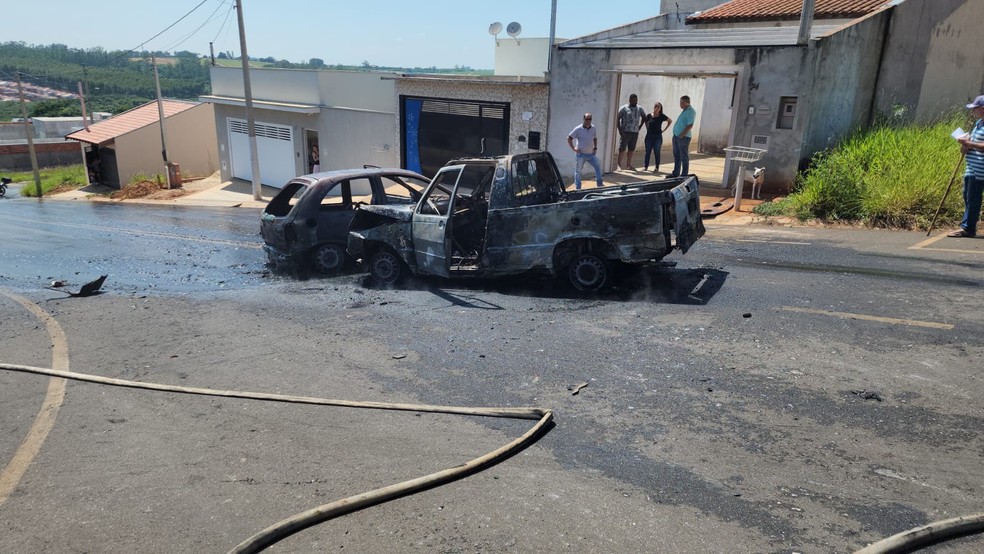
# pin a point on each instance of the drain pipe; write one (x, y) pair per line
(806, 22)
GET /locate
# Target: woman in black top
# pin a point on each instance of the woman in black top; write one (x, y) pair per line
(656, 122)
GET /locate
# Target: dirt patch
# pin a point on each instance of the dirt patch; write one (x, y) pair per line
(148, 189)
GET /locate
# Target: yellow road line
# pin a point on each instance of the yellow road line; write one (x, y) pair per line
(924, 245)
(11, 475)
(928, 241)
(848, 315)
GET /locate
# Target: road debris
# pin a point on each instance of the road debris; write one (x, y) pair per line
(87, 289)
(867, 395)
(576, 388)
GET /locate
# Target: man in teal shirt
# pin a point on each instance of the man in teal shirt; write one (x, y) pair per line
(681, 138)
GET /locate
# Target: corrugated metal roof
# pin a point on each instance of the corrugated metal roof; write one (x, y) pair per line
(106, 130)
(710, 38)
(771, 10)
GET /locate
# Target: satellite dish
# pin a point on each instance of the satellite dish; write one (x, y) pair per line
(495, 28)
(513, 29)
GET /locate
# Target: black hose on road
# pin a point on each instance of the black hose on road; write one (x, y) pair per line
(326, 512)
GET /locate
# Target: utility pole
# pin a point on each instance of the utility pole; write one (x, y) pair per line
(30, 137)
(553, 31)
(82, 99)
(160, 114)
(211, 53)
(85, 81)
(248, 95)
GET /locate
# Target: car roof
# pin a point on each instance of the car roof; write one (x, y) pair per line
(331, 177)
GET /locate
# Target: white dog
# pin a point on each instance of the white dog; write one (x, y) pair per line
(758, 177)
(754, 183)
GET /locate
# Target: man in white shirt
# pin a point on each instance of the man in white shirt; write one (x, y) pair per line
(583, 140)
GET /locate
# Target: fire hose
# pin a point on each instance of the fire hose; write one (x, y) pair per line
(326, 512)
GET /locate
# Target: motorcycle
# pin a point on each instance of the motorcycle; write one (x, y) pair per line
(4, 181)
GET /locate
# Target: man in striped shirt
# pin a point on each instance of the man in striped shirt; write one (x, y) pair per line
(972, 145)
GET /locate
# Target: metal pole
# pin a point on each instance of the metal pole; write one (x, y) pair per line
(553, 35)
(211, 54)
(248, 96)
(160, 114)
(30, 137)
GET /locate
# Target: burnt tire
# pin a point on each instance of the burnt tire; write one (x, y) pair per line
(588, 273)
(386, 268)
(329, 259)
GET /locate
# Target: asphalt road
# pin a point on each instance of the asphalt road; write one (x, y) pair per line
(779, 390)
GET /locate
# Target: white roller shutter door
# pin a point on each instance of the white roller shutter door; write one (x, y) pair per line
(274, 145)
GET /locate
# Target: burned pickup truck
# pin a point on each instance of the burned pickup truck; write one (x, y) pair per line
(487, 217)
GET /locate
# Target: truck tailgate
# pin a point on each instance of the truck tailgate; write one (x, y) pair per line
(687, 224)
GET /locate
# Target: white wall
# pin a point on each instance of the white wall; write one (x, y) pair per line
(666, 90)
(525, 56)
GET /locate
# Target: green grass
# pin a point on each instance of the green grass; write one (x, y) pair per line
(888, 176)
(71, 176)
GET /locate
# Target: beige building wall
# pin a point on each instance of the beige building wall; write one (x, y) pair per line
(526, 56)
(191, 144)
(527, 104)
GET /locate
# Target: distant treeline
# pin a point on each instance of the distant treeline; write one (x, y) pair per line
(116, 81)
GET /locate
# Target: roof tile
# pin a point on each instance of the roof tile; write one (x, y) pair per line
(770, 10)
(108, 129)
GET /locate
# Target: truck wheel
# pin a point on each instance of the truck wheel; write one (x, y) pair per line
(589, 273)
(386, 268)
(328, 259)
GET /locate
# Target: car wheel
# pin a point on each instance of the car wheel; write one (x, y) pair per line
(386, 267)
(589, 273)
(328, 259)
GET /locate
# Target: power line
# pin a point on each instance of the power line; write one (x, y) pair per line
(212, 16)
(127, 53)
(226, 20)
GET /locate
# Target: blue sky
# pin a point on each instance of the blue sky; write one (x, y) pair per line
(441, 33)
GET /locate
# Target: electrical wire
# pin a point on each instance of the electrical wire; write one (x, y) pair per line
(226, 20)
(127, 53)
(211, 17)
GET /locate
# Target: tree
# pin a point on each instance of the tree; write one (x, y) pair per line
(316, 63)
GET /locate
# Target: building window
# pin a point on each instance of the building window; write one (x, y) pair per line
(787, 112)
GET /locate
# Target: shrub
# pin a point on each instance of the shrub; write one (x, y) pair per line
(892, 175)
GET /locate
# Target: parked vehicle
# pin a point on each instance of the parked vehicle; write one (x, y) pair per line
(306, 224)
(487, 217)
(4, 181)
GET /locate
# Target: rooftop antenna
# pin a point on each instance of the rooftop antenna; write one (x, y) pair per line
(513, 30)
(494, 30)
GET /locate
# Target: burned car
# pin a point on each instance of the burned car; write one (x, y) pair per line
(306, 224)
(488, 217)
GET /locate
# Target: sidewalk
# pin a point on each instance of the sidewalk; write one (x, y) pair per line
(212, 192)
(209, 192)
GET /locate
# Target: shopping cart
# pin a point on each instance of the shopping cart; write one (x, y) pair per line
(743, 155)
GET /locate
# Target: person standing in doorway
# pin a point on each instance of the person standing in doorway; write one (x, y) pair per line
(583, 140)
(630, 117)
(681, 138)
(972, 145)
(656, 124)
(314, 159)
